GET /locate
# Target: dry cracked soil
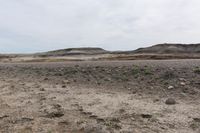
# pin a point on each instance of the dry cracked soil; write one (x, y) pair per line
(100, 97)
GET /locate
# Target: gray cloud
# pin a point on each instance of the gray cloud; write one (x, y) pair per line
(39, 25)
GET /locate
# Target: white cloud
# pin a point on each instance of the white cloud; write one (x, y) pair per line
(39, 25)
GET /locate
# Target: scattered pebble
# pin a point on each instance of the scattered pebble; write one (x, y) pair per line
(46, 78)
(66, 81)
(156, 100)
(183, 83)
(63, 86)
(146, 116)
(170, 101)
(196, 119)
(171, 87)
(182, 79)
(42, 89)
(54, 111)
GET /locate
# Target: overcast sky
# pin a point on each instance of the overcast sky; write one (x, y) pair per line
(40, 25)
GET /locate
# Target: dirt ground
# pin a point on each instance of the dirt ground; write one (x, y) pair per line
(100, 97)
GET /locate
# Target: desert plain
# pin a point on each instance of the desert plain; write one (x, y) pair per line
(100, 96)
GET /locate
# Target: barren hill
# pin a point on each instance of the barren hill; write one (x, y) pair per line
(171, 49)
(159, 51)
(74, 51)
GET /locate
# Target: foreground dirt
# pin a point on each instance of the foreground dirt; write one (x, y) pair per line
(100, 97)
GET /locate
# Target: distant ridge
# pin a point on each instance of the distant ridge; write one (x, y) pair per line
(168, 48)
(165, 48)
(75, 51)
(155, 52)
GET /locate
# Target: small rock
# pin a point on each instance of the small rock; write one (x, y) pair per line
(100, 120)
(64, 122)
(156, 100)
(132, 118)
(182, 79)
(76, 65)
(46, 79)
(107, 79)
(134, 92)
(183, 94)
(146, 116)
(54, 111)
(126, 131)
(114, 119)
(170, 101)
(196, 119)
(121, 111)
(183, 83)
(171, 87)
(3, 116)
(63, 86)
(94, 129)
(93, 116)
(66, 82)
(98, 83)
(42, 89)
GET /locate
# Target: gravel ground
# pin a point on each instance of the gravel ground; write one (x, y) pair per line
(146, 96)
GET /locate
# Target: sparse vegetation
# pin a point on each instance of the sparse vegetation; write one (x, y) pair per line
(113, 123)
(49, 131)
(141, 71)
(135, 70)
(147, 71)
(169, 74)
(197, 70)
(195, 125)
